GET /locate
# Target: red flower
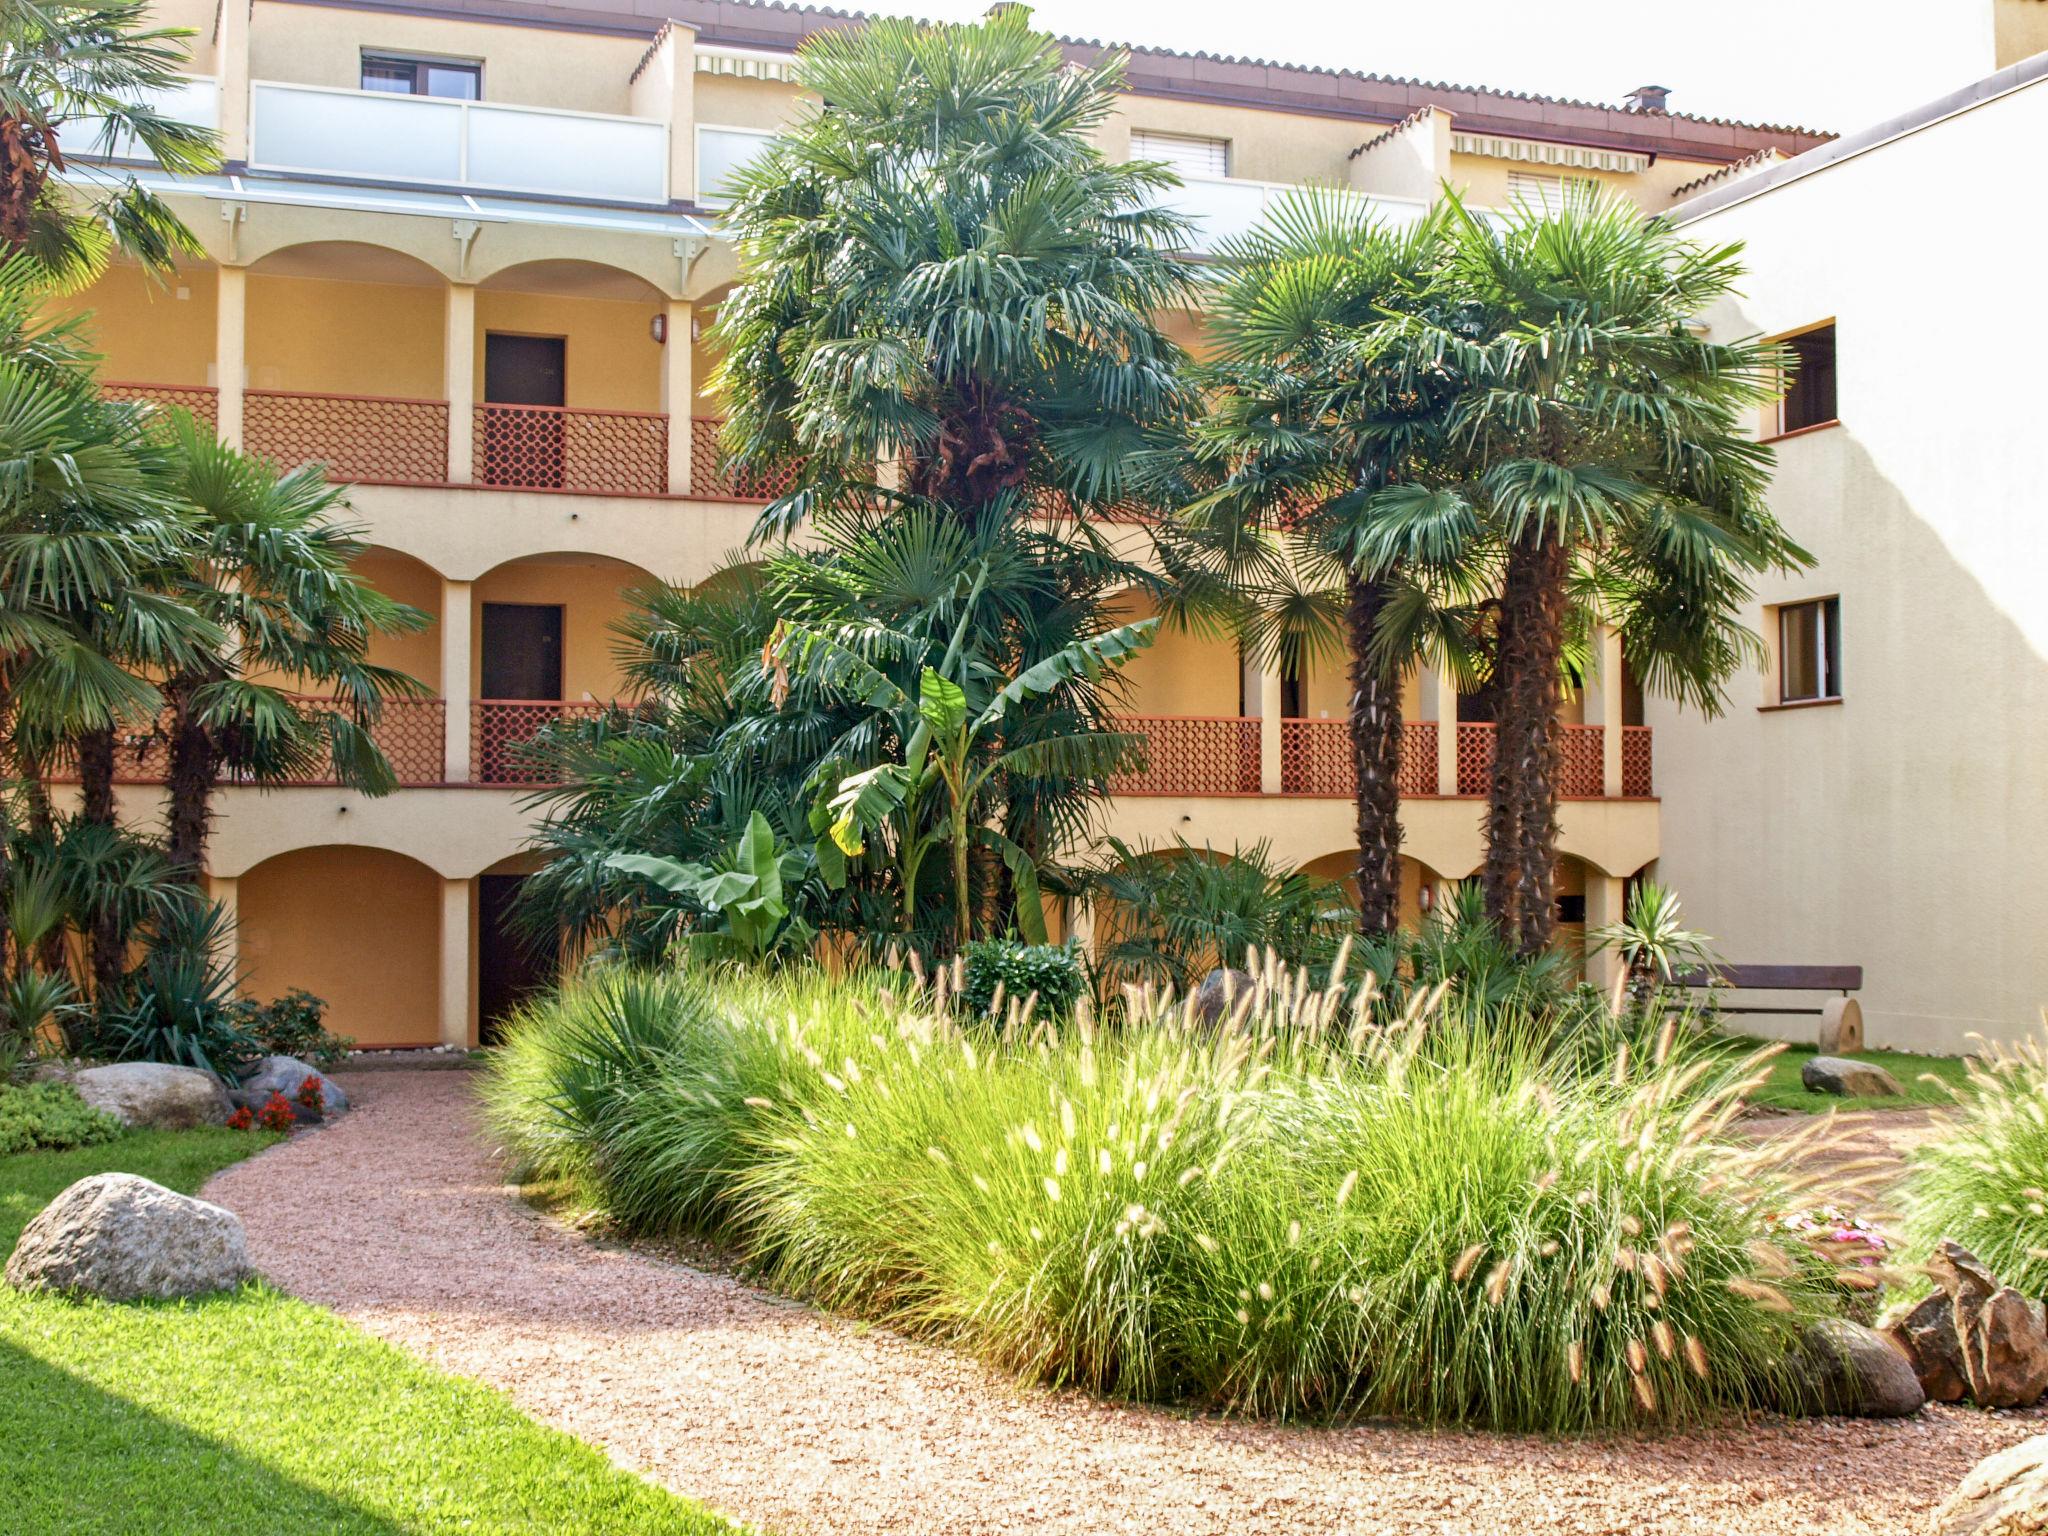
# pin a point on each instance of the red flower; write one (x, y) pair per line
(276, 1114)
(242, 1119)
(311, 1095)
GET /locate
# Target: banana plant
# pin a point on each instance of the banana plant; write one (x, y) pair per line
(745, 889)
(952, 729)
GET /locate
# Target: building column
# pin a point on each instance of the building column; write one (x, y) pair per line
(1603, 705)
(456, 940)
(1270, 758)
(678, 391)
(230, 361)
(1440, 703)
(231, 54)
(1605, 898)
(458, 381)
(457, 620)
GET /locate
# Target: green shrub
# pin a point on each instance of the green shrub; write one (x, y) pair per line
(51, 1117)
(1982, 1182)
(293, 1025)
(1309, 1216)
(1052, 971)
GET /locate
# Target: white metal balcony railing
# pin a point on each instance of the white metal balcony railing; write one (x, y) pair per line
(1224, 207)
(436, 141)
(721, 153)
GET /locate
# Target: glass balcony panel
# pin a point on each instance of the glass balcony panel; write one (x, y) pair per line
(616, 159)
(195, 100)
(722, 152)
(351, 133)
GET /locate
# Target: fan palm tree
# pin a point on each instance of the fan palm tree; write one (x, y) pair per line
(1310, 415)
(78, 81)
(272, 573)
(1600, 447)
(939, 268)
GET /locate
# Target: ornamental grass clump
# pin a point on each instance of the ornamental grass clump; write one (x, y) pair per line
(1984, 1183)
(1316, 1208)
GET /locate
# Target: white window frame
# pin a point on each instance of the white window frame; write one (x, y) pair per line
(1827, 663)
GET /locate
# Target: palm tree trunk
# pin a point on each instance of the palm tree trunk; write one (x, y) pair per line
(1376, 756)
(108, 953)
(189, 783)
(1521, 825)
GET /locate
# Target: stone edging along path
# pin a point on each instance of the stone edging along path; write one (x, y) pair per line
(398, 1218)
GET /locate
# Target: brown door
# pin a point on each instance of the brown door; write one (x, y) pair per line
(523, 394)
(510, 965)
(522, 659)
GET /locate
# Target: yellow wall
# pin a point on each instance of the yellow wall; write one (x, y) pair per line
(726, 101)
(396, 576)
(145, 330)
(588, 589)
(359, 927)
(321, 45)
(1483, 180)
(2021, 30)
(613, 360)
(1179, 673)
(345, 338)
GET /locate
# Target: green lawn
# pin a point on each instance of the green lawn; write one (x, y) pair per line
(1784, 1090)
(253, 1412)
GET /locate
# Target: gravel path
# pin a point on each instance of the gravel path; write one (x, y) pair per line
(397, 1218)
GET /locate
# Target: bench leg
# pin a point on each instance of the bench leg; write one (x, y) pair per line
(1841, 1027)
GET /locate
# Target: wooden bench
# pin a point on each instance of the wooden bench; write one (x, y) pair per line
(1841, 1017)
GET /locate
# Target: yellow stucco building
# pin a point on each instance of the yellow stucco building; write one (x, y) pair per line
(464, 252)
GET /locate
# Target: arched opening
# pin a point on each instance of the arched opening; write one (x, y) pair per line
(359, 927)
(344, 350)
(1421, 886)
(543, 649)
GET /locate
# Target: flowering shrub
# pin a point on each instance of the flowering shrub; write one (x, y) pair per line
(276, 1114)
(311, 1096)
(243, 1119)
(1322, 1211)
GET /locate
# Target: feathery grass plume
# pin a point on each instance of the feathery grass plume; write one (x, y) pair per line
(1281, 1215)
(1979, 1182)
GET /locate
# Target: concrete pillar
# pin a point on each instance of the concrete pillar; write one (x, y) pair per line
(664, 88)
(457, 621)
(1604, 903)
(457, 995)
(1269, 732)
(230, 348)
(1603, 704)
(678, 392)
(458, 381)
(1440, 703)
(231, 63)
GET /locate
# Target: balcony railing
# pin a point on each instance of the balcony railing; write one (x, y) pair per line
(1192, 755)
(556, 448)
(377, 438)
(1636, 779)
(713, 479)
(412, 733)
(202, 400)
(436, 141)
(1316, 758)
(194, 99)
(501, 731)
(1225, 207)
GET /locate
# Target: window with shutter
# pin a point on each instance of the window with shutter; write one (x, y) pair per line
(1186, 153)
(1540, 193)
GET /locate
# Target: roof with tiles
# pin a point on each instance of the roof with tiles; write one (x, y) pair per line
(1257, 83)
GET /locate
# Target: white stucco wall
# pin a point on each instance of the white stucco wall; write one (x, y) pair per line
(1905, 829)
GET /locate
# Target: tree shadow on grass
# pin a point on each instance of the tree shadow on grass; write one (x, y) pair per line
(83, 1462)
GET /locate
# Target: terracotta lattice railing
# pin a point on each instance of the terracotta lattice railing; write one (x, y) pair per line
(1583, 770)
(500, 730)
(1315, 758)
(410, 732)
(556, 448)
(1636, 779)
(1475, 756)
(713, 479)
(1192, 755)
(202, 400)
(358, 437)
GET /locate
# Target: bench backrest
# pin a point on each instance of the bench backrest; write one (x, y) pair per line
(1777, 978)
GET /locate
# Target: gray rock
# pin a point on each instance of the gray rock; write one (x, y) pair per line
(284, 1074)
(123, 1238)
(2003, 1495)
(1851, 1079)
(1221, 994)
(2005, 1351)
(1855, 1372)
(154, 1095)
(1925, 1333)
